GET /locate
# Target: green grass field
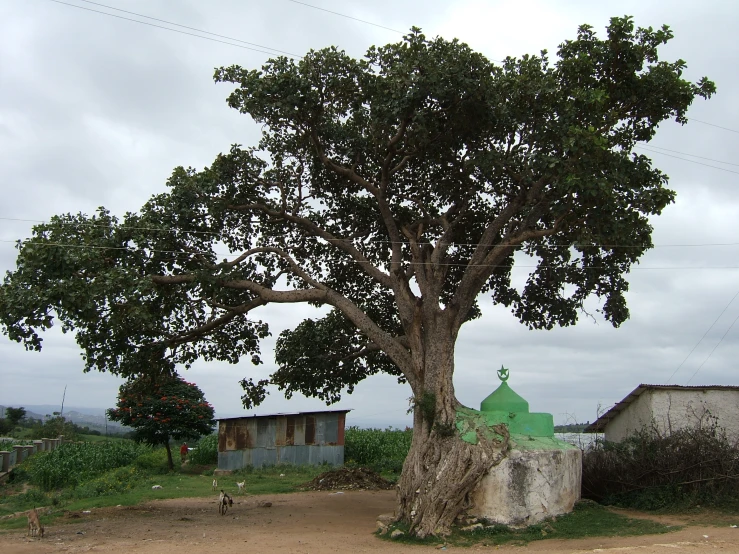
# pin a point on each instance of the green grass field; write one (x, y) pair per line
(587, 520)
(100, 473)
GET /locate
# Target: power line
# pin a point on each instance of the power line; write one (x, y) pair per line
(186, 27)
(686, 160)
(713, 125)
(701, 340)
(693, 155)
(346, 16)
(374, 241)
(174, 30)
(236, 255)
(714, 349)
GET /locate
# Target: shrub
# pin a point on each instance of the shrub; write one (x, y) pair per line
(648, 471)
(206, 451)
(116, 481)
(154, 461)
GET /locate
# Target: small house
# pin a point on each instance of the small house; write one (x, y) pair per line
(302, 438)
(664, 409)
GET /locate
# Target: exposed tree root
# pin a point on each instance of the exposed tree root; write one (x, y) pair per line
(439, 474)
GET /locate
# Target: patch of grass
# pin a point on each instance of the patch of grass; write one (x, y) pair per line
(587, 520)
(131, 485)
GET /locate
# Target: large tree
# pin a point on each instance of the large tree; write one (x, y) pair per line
(394, 190)
(163, 408)
(14, 415)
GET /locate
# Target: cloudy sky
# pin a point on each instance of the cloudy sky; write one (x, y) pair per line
(97, 110)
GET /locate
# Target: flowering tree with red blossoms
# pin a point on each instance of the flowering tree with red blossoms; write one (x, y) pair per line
(160, 409)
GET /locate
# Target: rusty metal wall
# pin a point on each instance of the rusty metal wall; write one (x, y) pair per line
(301, 439)
(294, 455)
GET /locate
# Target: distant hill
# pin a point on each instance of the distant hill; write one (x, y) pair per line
(94, 418)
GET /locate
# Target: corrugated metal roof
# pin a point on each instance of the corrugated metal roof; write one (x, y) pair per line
(599, 425)
(286, 414)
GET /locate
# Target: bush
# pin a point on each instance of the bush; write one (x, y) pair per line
(380, 450)
(206, 451)
(650, 472)
(116, 481)
(154, 461)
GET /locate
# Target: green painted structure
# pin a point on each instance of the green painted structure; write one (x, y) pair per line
(540, 476)
(530, 431)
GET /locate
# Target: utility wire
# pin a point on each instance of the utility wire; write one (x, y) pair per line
(235, 255)
(175, 30)
(346, 16)
(667, 382)
(373, 241)
(686, 160)
(693, 155)
(714, 349)
(713, 125)
(186, 27)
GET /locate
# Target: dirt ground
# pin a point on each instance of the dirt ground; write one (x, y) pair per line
(308, 522)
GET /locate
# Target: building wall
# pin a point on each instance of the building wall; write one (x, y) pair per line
(301, 439)
(670, 410)
(636, 415)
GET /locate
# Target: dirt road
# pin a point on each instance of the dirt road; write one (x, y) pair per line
(301, 523)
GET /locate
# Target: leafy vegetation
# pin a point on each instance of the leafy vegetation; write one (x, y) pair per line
(164, 407)
(383, 450)
(394, 190)
(73, 463)
(676, 471)
(206, 451)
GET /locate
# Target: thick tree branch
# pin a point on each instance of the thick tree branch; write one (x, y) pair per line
(202, 331)
(341, 243)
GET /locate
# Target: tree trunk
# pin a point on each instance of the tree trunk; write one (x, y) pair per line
(441, 470)
(169, 455)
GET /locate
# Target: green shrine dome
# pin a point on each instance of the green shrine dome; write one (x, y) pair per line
(504, 405)
(504, 398)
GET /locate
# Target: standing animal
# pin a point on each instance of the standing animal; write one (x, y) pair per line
(215, 484)
(224, 501)
(241, 486)
(35, 529)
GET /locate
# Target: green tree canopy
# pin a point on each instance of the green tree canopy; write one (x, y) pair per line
(14, 415)
(162, 409)
(395, 190)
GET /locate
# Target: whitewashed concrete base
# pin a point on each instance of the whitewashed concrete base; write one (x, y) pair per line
(530, 486)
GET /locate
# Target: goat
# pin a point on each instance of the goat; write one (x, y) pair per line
(215, 484)
(35, 529)
(241, 486)
(224, 501)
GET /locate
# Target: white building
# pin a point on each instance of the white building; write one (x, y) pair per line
(667, 408)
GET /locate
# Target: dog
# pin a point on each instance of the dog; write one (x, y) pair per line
(241, 486)
(224, 501)
(215, 484)
(35, 529)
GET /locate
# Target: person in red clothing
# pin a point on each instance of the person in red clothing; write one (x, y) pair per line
(183, 452)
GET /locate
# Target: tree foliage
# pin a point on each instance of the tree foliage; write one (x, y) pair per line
(14, 415)
(393, 190)
(162, 409)
(422, 165)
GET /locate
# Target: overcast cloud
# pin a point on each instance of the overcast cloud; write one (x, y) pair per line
(96, 110)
